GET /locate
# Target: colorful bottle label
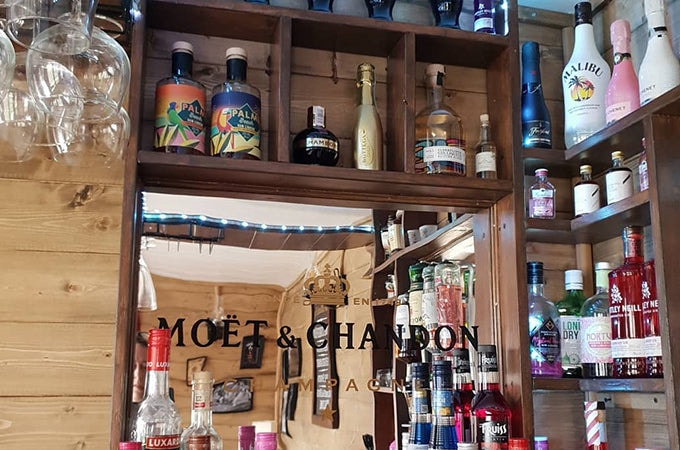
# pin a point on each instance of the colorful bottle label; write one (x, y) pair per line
(536, 133)
(542, 204)
(492, 433)
(619, 185)
(421, 403)
(570, 345)
(445, 156)
(596, 342)
(168, 442)
(180, 117)
(483, 17)
(442, 402)
(545, 343)
(485, 162)
(235, 124)
(586, 198)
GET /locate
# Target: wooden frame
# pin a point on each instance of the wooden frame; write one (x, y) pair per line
(325, 412)
(233, 395)
(251, 352)
(194, 365)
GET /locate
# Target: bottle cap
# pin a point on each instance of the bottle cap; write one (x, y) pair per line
(617, 155)
(540, 438)
(158, 336)
(534, 272)
(603, 265)
(488, 360)
(182, 46)
(620, 31)
(583, 13)
(654, 10)
(461, 360)
(202, 377)
(484, 118)
(585, 169)
(236, 52)
(433, 69)
(129, 446)
(573, 279)
(541, 172)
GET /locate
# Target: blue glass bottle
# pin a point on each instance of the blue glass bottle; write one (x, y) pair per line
(380, 9)
(446, 12)
(419, 433)
(443, 434)
(536, 132)
(320, 5)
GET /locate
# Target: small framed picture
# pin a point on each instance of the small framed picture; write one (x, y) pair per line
(251, 352)
(233, 395)
(194, 365)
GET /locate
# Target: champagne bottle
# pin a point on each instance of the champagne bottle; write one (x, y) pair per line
(623, 95)
(536, 132)
(368, 134)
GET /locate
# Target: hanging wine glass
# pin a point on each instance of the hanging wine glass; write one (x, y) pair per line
(146, 292)
(21, 126)
(7, 61)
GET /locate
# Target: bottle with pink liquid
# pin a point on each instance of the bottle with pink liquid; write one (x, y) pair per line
(623, 91)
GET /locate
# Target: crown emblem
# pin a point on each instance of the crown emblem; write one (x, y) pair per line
(329, 288)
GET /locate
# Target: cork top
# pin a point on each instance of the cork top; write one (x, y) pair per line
(484, 118)
(182, 46)
(236, 52)
(202, 377)
(585, 169)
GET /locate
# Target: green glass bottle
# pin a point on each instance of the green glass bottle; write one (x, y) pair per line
(570, 323)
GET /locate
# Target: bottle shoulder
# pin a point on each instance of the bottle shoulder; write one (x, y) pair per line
(537, 302)
(490, 400)
(236, 87)
(179, 81)
(597, 305)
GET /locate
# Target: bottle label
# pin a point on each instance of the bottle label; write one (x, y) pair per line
(483, 23)
(493, 432)
(617, 111)
(199, 443)
(421, 404)
(644, 175)
(444, 153)
(235, 124)
(570, 346)
(401, 320)
(542, 203)
(202, 399)
(415, 304)
(442, 402)
(536, 133)
(596, 340)
(628, 348)
(429, 308)
(619, 185)
(180, 117)
(586, 198)
(169, 442)
(652, 346)
(396, 236)
(157, 357)
(314, 142)
(545, 342)
(485, 162)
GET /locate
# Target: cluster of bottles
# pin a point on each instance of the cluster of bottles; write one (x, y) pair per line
(157, 423)
(594, 95)
(618, 181)
(614, 333)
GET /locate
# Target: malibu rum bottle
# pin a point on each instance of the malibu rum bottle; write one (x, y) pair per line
(368, 134)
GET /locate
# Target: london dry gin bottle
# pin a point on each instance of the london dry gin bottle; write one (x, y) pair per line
(158, 424)
(650, 317)
(235, 122)
(368, 133)
(544, 331)
(584, 82)
(623, 96)
(570, 323)
(180, 107)
(491, 414)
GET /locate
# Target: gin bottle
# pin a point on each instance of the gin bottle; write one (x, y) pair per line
(570, 323)
(596, 328)
(650, 317)
(544, 329)
(463, 394)
(419, 432)
(443, 434)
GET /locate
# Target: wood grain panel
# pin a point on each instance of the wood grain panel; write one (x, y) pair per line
(58, 287)
(42, 168)
(49, 359)
(568, 407)
(53, 216)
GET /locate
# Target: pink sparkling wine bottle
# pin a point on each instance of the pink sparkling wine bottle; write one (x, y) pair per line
(623, 91)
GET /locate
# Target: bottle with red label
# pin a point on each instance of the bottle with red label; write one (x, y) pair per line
(158, 425)
(180, 107)
(201, 435)
(625, 308)
(650, 317)
(491, 414)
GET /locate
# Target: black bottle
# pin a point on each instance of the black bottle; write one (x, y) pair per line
(315, 144)
(446, 12)
(535, 116)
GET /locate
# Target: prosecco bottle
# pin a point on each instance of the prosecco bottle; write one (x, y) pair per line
(536, 131)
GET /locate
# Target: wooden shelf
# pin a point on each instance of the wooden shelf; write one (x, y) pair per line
(599, 384)
(324, 31)
(605, 223)
(551, 159)
(556, 384)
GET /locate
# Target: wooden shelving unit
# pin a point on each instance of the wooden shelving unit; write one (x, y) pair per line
(651, 385)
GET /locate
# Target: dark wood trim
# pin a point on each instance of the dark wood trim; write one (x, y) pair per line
(279, 88)
(401, 101)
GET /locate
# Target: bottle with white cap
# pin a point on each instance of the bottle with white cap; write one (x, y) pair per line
(179, 125)
(485, 151)
(570, 323)
(235, 120)
(660, 69)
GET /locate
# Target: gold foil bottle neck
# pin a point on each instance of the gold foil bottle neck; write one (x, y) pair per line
(366, 73)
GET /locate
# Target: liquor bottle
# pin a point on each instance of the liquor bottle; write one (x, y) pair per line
(316, 144)
(596, 425)
(596, 328)
(643, 173)
(443, 434)
(660, 68)
(235, 124)
(450, 313)
(618, 179)
(395, 230)
(485, 151)
(406, 351)
(570, 323)
(368, 134)
(440, 147)
(447, 13)
(380, 9)
(158, 421)
(419, 432)
(518, 444)
(650, 316)
(544, 327)
(462, 394)
(541, 443)
(246, 437)
(584, 82)
(625, 308)
(536, 129)
(320, 5)
(200, 434)
(484, 20)
(180, 107)
(415, 299)
(265, 441)
(623, 91)
(542, 197)
(491, 414)
(430, 315)
(586, 193)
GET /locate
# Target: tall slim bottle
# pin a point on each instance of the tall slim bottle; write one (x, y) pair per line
(536, 129)
(660, 68)
(584, 82)
(180, 107)
(596, 328)
(158, 423)
(544, 328)
(485, 151)
(491, 414)
(200, 434)
(625, 308)
(419, 432)
(450, 313)
(443, 434)
(368, 133)
(623, 91)
(570, 323)
(463, 393)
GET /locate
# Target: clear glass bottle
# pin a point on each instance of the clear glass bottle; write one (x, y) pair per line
(642, 168)
(584, 81)
(180, 107)
(570, 323)
(619, 180)
(491, 414)
(586, 193)
(430, 316)
(315, 144)
(485, 151)
(463, 393)
(246, 437)
(440, 145)
(368, 132)
(544, 327)
(542, 197)
(157, 417)
(236, 111)
(596, 328)
(402, 327)
(660, 69)
(448, 286)
(623, 91)
(650, 316)
(200, 434)
(536, 125)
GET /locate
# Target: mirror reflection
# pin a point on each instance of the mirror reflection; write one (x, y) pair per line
(289, 306)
